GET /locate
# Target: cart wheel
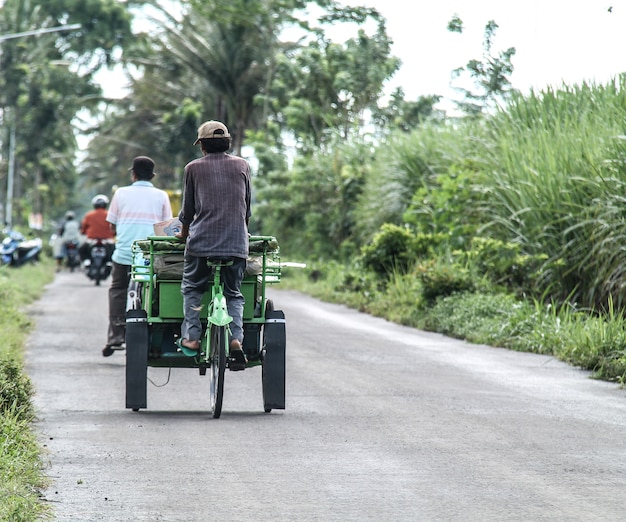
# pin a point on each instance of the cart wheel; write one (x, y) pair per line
(137, 346)
(273, 370)
(217, 349)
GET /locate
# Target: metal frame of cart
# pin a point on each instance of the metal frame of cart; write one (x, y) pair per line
(155, 313)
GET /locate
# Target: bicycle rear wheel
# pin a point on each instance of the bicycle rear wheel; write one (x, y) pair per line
(217, 350)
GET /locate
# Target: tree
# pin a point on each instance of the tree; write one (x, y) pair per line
(400, 114)
(490, 75)
(45, 80)
(325, 86)
(219, 54)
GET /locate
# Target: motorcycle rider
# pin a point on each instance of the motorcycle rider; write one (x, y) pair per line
(95, 226)
(69, 231)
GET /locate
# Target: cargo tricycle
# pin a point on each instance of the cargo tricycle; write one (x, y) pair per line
(155, 313)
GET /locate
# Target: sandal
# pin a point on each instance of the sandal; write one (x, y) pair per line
(187, 350)
(109, 349)
(237, 359)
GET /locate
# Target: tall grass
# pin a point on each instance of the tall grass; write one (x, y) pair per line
(557, 185)
(405, 164)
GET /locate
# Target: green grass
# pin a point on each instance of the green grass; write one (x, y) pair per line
(21, 457)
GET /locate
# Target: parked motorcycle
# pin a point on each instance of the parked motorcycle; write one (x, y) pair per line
(72, 256)
(16, 250)
(98, 264)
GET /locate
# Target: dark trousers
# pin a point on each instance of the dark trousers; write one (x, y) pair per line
(197, 279)
(118, 291)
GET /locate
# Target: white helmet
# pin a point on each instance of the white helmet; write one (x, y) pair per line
(100, 201)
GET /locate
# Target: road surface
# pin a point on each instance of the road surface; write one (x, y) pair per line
(383, 423)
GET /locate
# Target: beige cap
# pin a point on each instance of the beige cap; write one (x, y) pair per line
(212, 129)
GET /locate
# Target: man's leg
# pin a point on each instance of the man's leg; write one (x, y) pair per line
(196, 274)
(84, 250)
(120, 277)
(232, 278)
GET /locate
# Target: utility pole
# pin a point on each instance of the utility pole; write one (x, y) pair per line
(8, 220)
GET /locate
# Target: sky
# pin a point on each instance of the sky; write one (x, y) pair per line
(556, 41)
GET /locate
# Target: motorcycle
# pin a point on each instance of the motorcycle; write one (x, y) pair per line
(98, 264)
(16, 250)
(72, 257)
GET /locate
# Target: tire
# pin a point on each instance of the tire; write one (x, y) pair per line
(217, 338)
(96, 274)
(137, 347)
(274, 359)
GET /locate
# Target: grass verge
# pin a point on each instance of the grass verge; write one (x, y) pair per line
(594, 342)
(21, 458)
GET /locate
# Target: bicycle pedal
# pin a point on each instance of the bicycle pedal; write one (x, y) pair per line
(238, 362)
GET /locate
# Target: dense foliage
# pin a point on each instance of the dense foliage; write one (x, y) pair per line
(46, 80)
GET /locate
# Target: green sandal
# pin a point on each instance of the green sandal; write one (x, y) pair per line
(189, 352)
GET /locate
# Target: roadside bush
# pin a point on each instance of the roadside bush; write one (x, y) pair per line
(359, 282)
(596, 343)
(428, 245)
(475, 317)
(401, 300)
(505, 264)
(15, 388)
(449, 203)
(440, 278)
(389, 251)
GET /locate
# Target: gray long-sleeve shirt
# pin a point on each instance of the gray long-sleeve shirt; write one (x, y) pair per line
(216, 205)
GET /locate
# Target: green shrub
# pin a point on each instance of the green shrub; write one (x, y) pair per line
(448, 203)
(426, 246)
(596, 343)
(476, 317)
(505, 264)
(360, 282)
(15, 387)
(390, 250)
(440, 278)
(400, 302)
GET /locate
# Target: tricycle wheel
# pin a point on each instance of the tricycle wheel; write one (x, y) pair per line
(217, 349)
(273, 370)
(137, 346)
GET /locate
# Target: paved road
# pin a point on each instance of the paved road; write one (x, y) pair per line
(383, 423)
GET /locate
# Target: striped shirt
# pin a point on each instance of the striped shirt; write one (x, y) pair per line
(134, 210)
(216, 205)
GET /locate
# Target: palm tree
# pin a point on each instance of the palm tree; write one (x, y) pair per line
(221, 56)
